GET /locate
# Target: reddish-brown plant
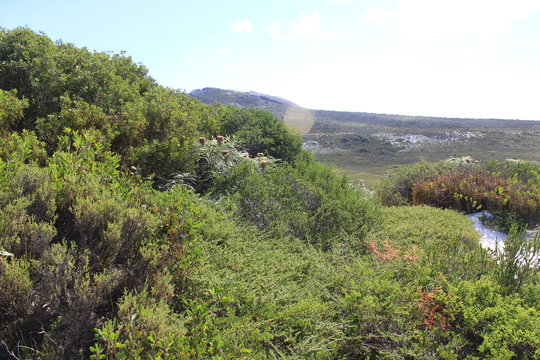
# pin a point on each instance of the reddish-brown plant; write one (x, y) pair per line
(432, 310)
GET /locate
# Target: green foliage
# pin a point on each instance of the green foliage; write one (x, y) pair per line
(151, 126)
(145, 329)
(43, 72)
(422, 225)
(519, 260)
(171, 121)
(378, 313)
(442, 241)
(11, 109)
(91, 233)
(306, 200)
(272, 297)
(76, 115)
(505, 328)
(15, 289)
(521, 171)
(28, 212)
(260, 132)
(459, 309)
(291, 300)
(20, 148)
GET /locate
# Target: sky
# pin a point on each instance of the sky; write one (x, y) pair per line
(456, 58)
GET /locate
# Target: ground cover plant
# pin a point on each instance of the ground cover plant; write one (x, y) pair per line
(138, 223)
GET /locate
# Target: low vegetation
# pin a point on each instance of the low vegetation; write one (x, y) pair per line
(138, 223)
(509, 189)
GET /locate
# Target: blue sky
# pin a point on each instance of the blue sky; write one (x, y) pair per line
(464, 58)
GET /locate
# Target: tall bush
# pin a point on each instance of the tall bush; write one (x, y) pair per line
(306, 200)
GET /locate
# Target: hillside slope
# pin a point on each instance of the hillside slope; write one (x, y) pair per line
(367, 145)
(276, 105)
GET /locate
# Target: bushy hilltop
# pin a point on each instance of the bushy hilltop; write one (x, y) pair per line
(138, 223)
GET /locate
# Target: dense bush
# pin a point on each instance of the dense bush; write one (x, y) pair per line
(11, 110)
(64, 86)
(152, 127)
(509, 189)
(504, 328)
(261, 132)
(467, 190)
(82, 234)
(396, 188)
(305, 199)
(431, 292)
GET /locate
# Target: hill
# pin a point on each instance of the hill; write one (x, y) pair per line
(251, 99)
(367, 145)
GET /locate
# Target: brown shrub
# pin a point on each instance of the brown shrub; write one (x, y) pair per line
(467, 190)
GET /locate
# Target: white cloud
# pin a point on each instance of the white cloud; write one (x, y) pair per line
(223, 51)
(242, 26)
(341, 1)
(274, 30)
(378, 15)
(190, 58)
(428, 21)
(307, 27)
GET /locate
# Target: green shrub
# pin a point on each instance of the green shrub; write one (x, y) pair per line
(377, 312)
(272, 296)
(306, 200)
(11, 110)
(15, 290)
(423, 225)
(28, 212)
(518, 260)
(17, 149)
(504, 327)
(260, 132)
(521, 171)
(144, 329)
(91, 233)
(152, 127)
(76, 115)
(432, 242)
